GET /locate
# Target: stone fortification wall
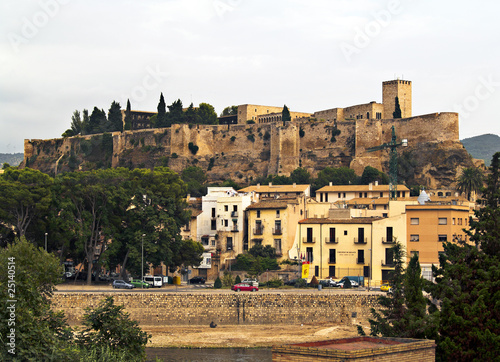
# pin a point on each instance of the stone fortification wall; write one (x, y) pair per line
(244, 152)
(226, 308)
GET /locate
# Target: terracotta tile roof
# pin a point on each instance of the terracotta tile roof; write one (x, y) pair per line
(354, 220)
(275, 188)
(360, 188)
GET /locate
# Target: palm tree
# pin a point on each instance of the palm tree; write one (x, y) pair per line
(470, 180)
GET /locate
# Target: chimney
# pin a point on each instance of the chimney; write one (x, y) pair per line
(258, 186)
(370, 186)
(331, 184)
(376, 183)
(294, 185)
(270, 184)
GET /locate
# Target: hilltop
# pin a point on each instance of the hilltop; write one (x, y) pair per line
(482, 147)
(13, 159)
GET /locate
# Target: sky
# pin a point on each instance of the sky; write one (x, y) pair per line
(58, 56)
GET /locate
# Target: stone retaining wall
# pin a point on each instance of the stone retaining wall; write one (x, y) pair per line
(225, 308)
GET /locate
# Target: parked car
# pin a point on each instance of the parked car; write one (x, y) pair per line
(328, 283)
(386, 287)
(154, 281)
(251, 281)
(139, 284)
(197, 280)
(341, 283)
(122, 284)
(297, 283)
(245, 287)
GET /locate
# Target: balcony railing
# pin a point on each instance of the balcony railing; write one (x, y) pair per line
(277, 231)
(234, 213)
(331, 240)
(258, 230)
(360, 241)
(388, 240)
(235, 229)
(309, 240)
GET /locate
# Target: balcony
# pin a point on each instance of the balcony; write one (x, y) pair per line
(360, 241)
(331, 240)
(277, 231)
(234, 214)
(308, 240)
(389, 240)
(235, 229)
(259, 230)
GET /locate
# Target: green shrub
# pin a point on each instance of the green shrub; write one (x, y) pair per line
(233, 138)
(193, 148)
(275, 283)
(237, 280)
(227, 279)
(301, 283)
(217, 283)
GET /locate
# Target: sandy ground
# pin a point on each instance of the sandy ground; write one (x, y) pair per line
(244, 336)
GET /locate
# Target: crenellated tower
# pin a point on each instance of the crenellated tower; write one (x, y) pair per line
(396, 88)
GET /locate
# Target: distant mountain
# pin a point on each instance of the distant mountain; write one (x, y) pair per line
(482, 147)
(13, 159)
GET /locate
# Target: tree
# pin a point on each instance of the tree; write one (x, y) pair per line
(337, 176)
(190, 116)
(300, 176)
(128, 117)
(206, 114)
(195, 179)
(108, 325)
(470, 180)
(467, 283)
(115, 119)
(161, 117)
(371, 174)
(285, 115)
(96, 122)
(230, 111)
(397, 109)
(175, 113)
(25, 197)
(28, 276)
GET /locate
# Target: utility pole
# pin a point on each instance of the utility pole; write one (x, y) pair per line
(393, 164)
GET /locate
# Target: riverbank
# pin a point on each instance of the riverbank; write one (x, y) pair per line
(245, 336)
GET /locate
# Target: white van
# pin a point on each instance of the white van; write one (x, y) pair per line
(154, 281)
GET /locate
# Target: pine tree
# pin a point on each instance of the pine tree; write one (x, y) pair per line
(161, 118)
(285, 115)
(397, 109)
(128, 117)
(115, 119)
(468, 284)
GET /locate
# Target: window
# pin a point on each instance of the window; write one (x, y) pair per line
(277, 246)
(361, 235)
(366, 194)
(331, 271)
(339, 195)
(381, 194)
(345, 232)
(332, 235)
(326, 197)
(442, 221)
(459, 221)
(442, 237)
(277, 227)
(204, 241)
(361, 256)
(389, 234)
(453, 221)
(360, 195)
(258, 213)
(309, 235)
(333, 256)
(226, 207)
(320, 197)
(213, 224)
(316, 270)
(414, 221)
(414, 237)
(277, 213)
(309, 255)
(213, 211)
(389, 256)
(229, 243)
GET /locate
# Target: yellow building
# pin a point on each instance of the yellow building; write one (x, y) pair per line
(273, 222)
(350, 246)
(431, 224)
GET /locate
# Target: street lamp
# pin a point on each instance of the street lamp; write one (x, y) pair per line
(142, 261)
(46, 241)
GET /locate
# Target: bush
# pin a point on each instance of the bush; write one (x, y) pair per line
(227, 279)
(251, 138)
(237, 280)
(233, 138)
(217, 283)
(275, 283)
(193, 148)
(301, 283)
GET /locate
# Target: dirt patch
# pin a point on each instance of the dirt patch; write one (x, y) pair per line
(244, 335)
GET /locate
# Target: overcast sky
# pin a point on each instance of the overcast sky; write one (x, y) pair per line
(58, 56)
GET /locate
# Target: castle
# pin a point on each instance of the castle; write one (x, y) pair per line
(246, 150)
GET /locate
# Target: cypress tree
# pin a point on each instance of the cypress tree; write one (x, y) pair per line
(161, 119)
(397, 109)
(285, 115)
(128, 117)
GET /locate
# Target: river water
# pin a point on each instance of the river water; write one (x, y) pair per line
(209, 354)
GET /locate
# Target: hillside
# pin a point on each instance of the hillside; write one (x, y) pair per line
(13, 159)
(482, 147)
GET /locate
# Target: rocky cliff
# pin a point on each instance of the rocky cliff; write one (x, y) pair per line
(433, 158)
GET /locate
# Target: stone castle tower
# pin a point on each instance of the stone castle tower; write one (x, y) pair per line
(396, 88)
